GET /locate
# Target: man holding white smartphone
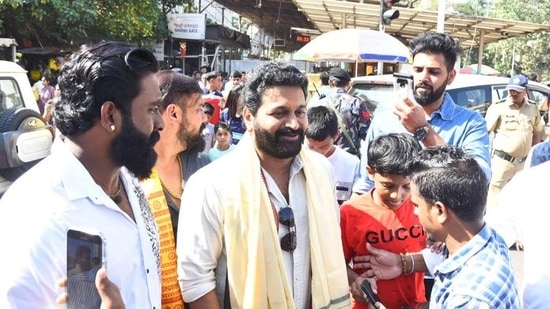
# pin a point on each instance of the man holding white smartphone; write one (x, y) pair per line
(430, 115)
(108, 115)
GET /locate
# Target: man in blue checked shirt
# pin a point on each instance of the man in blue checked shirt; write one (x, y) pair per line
(449, 191)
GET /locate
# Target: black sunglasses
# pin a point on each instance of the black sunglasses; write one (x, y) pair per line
(138, 58)
(286, 217)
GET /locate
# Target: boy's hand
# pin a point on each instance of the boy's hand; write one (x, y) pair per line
(360, 296)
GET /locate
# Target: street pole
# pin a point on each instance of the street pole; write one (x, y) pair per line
(513, 61)
(381, 28)
(441, 16)
(441, 26)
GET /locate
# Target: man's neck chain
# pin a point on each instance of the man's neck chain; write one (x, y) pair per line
(176, 194)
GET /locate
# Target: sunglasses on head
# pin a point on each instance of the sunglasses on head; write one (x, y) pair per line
(138, 58)
(286, 217)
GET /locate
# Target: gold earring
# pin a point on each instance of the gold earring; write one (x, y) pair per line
(112, 127)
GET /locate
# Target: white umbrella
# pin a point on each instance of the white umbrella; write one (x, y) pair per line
(354, 45)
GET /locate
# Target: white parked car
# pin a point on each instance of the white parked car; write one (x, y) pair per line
(25, 138)
(473, 91)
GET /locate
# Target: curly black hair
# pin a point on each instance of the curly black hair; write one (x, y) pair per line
(108, 71)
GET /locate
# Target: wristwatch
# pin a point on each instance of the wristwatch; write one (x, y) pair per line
(421, 133)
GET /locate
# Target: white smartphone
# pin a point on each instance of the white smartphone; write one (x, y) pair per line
(404, 82)
(85, 256)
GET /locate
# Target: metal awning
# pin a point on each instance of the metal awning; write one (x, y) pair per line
(471, 31)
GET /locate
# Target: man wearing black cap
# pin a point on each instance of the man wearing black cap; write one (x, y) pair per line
(354, 116)
(515, 125)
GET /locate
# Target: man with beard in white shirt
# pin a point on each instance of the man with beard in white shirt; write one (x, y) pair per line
(108, 115)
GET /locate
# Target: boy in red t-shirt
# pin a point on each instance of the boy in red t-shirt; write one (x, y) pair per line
(384, 217)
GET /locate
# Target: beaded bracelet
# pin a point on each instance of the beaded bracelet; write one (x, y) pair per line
(412, 262)
(403, 263)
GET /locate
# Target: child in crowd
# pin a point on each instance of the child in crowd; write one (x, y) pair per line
(384, 217)
(223, 141)
(232, 114)
(208, 131)
(321, 133)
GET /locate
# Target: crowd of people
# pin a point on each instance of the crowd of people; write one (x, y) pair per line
(244, 194)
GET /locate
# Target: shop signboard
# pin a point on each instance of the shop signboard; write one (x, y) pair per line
(190, 26)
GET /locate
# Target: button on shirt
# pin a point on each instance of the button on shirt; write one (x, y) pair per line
(39, 208)
(297, 264)
(479, 275)
(513, 126)
(455, 124)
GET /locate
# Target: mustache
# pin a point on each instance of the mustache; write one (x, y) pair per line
(424, 85)
(290, 132)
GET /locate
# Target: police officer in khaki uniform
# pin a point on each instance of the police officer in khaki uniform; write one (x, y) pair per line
(516, 126)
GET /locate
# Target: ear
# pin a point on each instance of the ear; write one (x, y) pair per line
(337, 135)
(111, 118)
(171, 112)
(452, 75)
(248, 119)
(370, 171)
(441, 212)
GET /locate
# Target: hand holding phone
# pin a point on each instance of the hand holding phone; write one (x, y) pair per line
(85, 256)
(367, 289)
(404, 82)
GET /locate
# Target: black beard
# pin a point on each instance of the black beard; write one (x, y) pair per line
(134, 149)
(193, 141)
(273, 146)
(434, 95)
(196, 144)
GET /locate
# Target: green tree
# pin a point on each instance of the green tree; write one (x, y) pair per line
(529, 53)
(72, 22)
(472, 8)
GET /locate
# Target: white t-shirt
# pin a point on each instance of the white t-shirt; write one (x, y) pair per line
(347, 169)
(208, 136)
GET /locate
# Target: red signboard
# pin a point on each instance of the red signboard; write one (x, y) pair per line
(302, 38)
